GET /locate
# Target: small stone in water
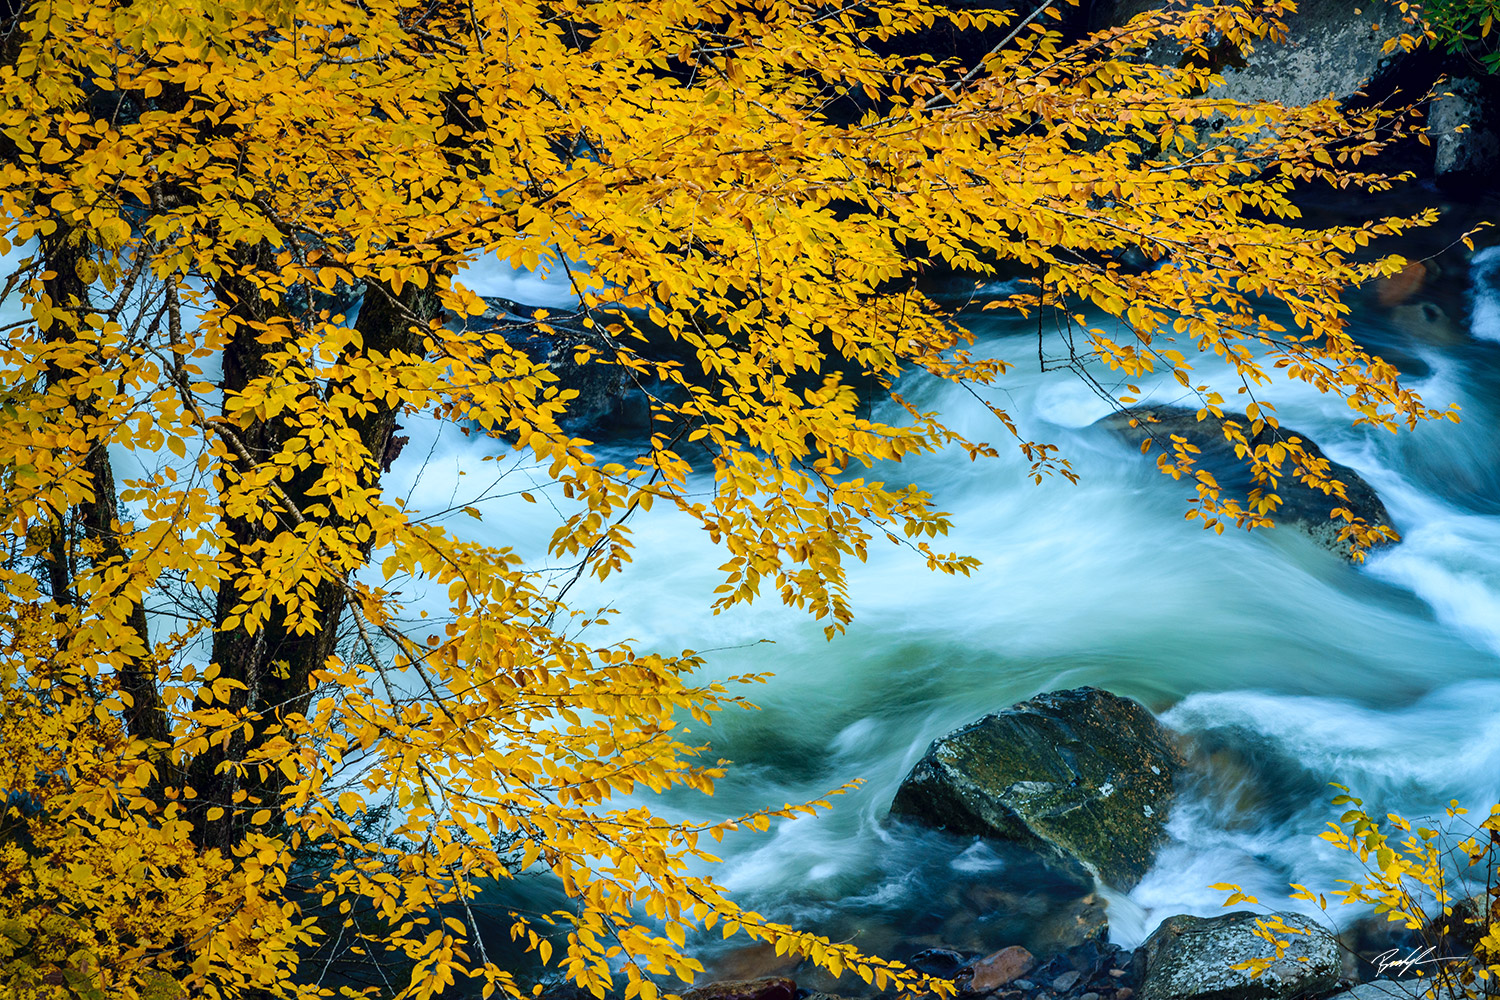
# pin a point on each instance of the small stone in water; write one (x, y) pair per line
(1117, 973)
(1026, 984)
(1125, 994)
(1065, 982)
(1001, 968)
(1089, 996)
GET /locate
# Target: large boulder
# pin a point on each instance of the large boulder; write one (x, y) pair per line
(1302, 506)
(1189, 958)
(1082, 774)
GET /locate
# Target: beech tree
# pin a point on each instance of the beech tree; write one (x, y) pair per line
(240, 229)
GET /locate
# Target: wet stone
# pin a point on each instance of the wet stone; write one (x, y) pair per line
(769, 988)
(1001, 968)
(1193, 958)
(1083, 774)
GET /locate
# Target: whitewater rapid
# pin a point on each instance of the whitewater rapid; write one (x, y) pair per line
(1282, 667)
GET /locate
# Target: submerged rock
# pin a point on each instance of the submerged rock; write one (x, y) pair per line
(770, 988)
(1082, 774)
(751, 962)
(1302, 506)
(1189, 958)
(1074, 924)
(1425, 323)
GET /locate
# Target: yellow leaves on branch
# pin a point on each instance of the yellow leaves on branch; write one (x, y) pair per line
(248, 750)
(1419, 876)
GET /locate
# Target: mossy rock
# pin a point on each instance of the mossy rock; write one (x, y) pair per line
(1081, 774)
(1302, 506)
(1189, 958)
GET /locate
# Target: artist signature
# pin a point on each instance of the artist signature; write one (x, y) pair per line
(1393, 959)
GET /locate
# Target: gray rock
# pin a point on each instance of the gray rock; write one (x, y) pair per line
(1462, 121)
(1189, 958)
(1302, 506)
(1384, 989)
(1082, 774)
(1329, 51)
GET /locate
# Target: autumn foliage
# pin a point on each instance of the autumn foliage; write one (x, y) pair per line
(1440, 884)
(238, 226)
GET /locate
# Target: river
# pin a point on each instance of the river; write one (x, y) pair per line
(1283, 667)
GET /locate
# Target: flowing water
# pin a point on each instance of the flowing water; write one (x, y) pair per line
(1282, 666)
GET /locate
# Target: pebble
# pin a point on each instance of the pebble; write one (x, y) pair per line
(1089, 996)
(1066, 981)
(1125, 994)
(1002, 968)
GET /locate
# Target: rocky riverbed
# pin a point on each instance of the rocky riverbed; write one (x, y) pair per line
(1085, 779)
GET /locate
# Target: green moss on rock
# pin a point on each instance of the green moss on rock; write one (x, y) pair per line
(1083, 774)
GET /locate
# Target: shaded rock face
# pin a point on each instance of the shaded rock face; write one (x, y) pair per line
(943, 963)
(609, 402)
(1464, 121)
(1472, 917)
(1082, 774)
(1190, 957)
(1302, 506)
(1370, 941)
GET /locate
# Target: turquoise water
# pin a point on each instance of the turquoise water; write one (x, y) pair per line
(1282, 666)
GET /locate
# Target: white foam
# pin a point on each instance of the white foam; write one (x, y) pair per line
(548, 285)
